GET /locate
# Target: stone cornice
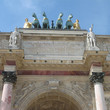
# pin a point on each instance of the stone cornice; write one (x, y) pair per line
(52, 31)
(56, 65)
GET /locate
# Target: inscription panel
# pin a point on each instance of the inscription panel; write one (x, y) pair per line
(54, 49)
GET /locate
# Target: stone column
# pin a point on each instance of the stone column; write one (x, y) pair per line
(9, 78)
(97, 79)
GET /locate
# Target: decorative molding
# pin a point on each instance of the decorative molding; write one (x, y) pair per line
(24, 89)
(106, 87)
(1, 85)
(107, 99)
(54, 83)
(56, 65)
(84, 91)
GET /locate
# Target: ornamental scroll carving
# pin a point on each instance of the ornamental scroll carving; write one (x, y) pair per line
(107, 99)
(22, 90)
(106, 87)
(25, 88)
(1, 86)
(84, 91)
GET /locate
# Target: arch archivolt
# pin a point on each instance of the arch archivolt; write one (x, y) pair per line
(77, 92)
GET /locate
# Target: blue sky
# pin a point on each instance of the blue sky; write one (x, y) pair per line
(96, 12)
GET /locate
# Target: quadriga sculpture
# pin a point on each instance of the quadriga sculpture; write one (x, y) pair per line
(59, 23)
(69, 23)
(35, 23)
(45, 22)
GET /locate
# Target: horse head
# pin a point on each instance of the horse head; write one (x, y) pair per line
(70, 16)
(34, 15)
(44, 14)
(60, 15)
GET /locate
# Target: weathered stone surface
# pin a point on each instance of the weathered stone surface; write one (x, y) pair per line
(65, 50)
(56, 54)
(53, 85)
(4, 44)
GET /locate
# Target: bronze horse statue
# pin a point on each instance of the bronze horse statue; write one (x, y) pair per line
(45, 22)
(69, 23)
(35, 23)
(59, 23)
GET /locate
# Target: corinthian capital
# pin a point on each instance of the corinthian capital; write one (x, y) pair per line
(97, 77)
(9, 76)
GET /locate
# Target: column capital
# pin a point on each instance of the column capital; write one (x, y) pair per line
(97, 77)
(9, 76)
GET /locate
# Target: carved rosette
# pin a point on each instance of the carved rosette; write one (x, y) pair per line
(97, 77)
(9, 76)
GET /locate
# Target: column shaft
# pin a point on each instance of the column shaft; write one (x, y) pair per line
(9, 78)
(6, 96)
(97, 78)
(99, 96)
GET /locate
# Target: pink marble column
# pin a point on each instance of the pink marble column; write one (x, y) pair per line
(99, 96)
(97, 79)
(9, 78)
(6, 96)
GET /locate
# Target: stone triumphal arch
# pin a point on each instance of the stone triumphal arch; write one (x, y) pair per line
(54, 68)
(51, 97)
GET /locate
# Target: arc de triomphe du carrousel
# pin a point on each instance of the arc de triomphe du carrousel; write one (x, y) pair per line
(51, 66)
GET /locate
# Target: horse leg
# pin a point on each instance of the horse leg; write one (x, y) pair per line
(47, 26)
(42, 25)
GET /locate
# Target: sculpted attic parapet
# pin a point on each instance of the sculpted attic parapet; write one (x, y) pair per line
(59, 23)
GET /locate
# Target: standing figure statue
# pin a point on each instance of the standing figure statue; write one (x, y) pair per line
(35, 23)
(27, 24)
(14, 41)
(45, 22)
(91, 41)
(69, 23)
(59, 23)
(76, 25)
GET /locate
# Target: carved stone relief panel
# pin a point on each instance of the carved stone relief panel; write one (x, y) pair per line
(104, 45)
(4, 44)
(1, 85)
(23, 89)
(107, 99)
(106, 87)
(84, 91)
(81, 89)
